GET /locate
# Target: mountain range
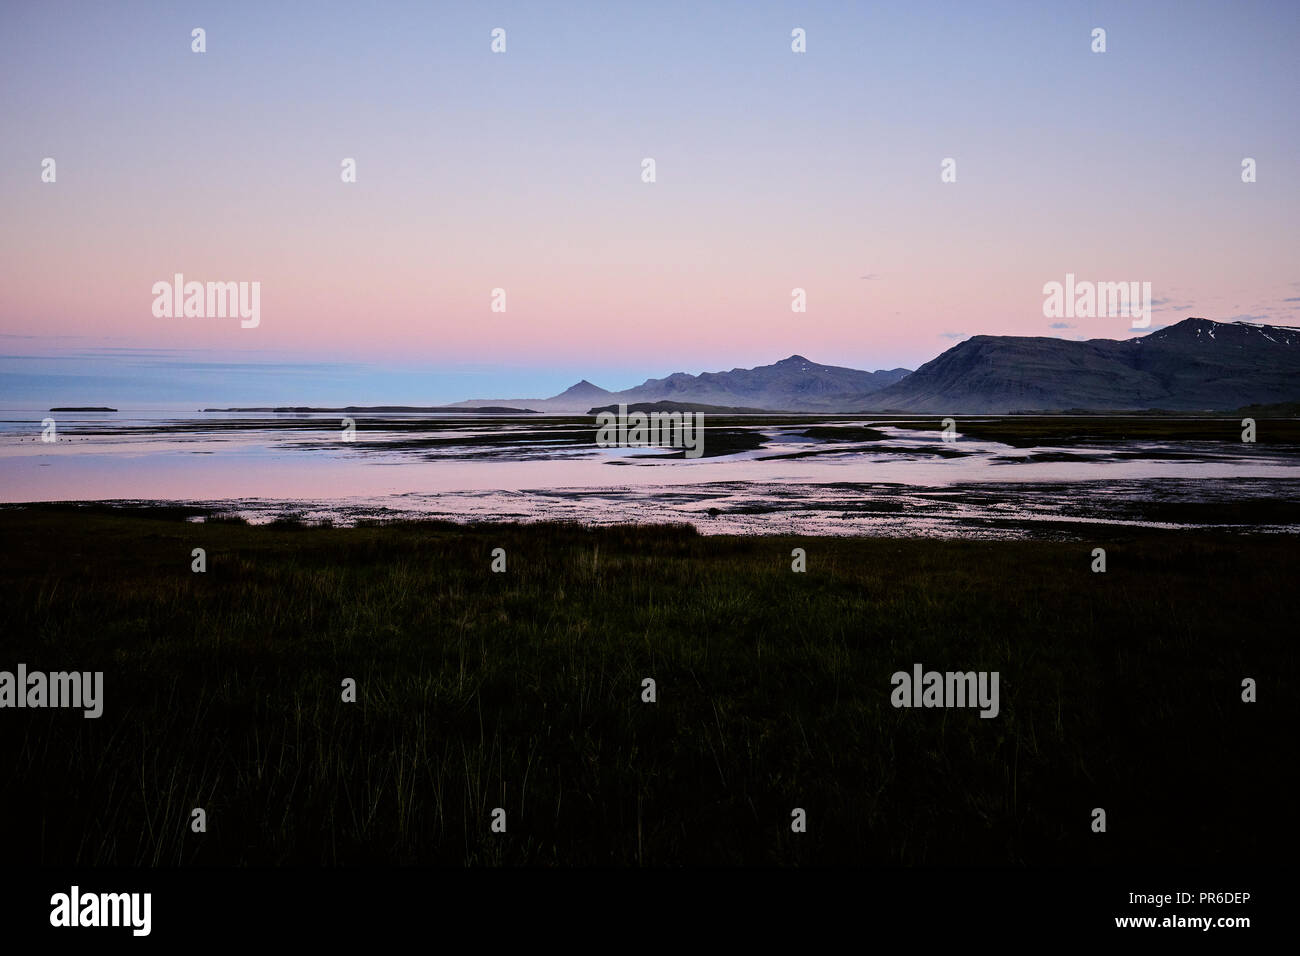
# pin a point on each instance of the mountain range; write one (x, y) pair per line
(792, 384)
(1197, 364)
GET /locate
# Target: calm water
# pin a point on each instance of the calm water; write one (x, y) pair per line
(461, 467)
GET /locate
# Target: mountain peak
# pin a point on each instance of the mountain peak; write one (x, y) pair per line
(583, 389)
(795, 360)
(1205, 331)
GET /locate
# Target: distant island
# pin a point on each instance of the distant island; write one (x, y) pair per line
(486, 409)
(83, 408)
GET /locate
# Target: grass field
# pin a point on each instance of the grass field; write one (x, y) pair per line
(522, 690)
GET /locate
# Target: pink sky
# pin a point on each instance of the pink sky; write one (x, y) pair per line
(522, 171)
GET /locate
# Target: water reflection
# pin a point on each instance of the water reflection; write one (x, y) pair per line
(764, 477)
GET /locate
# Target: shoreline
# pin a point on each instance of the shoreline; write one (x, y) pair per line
(1019, 510)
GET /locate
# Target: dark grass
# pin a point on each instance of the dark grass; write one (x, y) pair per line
(1031, 431)
(522, 690)
(933, 451)
(842, 433)
(714, 442)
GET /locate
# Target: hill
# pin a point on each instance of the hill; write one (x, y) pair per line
(1197, 364)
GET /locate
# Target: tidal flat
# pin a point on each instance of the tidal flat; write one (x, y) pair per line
(978, 477)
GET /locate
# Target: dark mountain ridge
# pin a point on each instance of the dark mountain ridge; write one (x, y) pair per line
(793, 384)
(1197, 364)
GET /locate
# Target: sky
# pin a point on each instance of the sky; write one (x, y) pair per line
(522, 171)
